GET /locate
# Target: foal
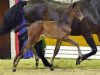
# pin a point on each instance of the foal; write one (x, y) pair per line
(59, 30)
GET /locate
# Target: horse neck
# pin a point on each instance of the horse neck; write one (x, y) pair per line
(67, 18)
(70, 19)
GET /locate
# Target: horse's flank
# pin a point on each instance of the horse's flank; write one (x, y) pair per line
(51, 29)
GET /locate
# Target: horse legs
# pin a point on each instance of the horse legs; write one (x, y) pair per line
(44, 60)
(79, 51)
(89, 39)
(36, 56)
(56, 50)
(19, 56)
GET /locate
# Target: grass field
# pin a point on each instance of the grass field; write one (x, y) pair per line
(62, 67)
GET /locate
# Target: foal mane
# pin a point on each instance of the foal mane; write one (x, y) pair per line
(66, 12)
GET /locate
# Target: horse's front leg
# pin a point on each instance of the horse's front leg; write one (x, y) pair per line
(79, 51)
(89, 39)
(56, 50)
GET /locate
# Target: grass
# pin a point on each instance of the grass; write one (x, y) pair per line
(62, 67)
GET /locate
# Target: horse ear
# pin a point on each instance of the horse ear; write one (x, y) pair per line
(74, 4)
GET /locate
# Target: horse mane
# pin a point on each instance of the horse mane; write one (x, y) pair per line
(66, 12)
(64, 16)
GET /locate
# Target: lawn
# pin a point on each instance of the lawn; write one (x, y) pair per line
(62, 67)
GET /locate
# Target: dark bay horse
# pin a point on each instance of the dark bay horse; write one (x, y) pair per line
(59, 29)
(89, 25)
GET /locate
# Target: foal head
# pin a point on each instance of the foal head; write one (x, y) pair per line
(75, 11)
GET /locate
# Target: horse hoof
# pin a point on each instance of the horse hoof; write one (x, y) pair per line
(14, 70)
(37, 64)
(78, 61)
(52, 68)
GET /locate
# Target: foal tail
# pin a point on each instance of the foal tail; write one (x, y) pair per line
(20, 27)
(12, 18)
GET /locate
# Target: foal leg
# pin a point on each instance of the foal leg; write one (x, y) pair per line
(79, 51)
(19, 56)
(44, 60)
(56, 50)
(36, 56)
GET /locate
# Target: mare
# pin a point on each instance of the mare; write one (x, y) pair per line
(59, 29)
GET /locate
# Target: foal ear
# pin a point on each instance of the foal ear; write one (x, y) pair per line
(74, 4)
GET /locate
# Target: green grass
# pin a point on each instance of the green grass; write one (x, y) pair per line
(59, 64)
(26, 67)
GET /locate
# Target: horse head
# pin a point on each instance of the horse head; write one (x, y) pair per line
(75, 11)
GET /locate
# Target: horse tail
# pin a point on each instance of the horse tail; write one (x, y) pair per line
(17, 29)
(12, 18)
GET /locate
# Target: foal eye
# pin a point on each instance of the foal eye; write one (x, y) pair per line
(76, 11)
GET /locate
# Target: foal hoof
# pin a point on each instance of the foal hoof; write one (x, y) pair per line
(36, 64)
(52, 68)
(78, 61)
(14, 70)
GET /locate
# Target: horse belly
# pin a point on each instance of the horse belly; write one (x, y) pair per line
(55, 35)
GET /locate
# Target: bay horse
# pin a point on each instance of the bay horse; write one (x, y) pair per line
(38, 10)
(59, 29)
(35, 10)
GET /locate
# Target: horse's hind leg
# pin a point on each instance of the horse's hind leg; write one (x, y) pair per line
(19, 56)
(44, 60)
(36, 56)
(56, 50)
(79, 51)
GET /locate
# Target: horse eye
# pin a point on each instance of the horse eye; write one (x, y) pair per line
(76, 11)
